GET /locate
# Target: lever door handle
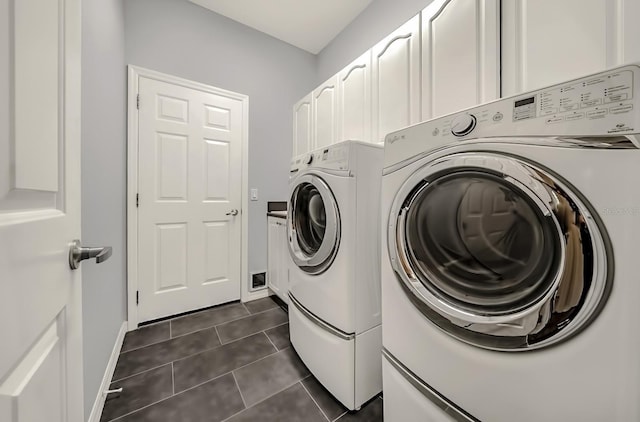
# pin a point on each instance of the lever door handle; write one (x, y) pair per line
(78, 253)
(232, 212)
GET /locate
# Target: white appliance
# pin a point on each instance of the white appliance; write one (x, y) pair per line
(334, 293)
(510, 287)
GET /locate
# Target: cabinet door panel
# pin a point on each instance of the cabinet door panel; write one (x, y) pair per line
(354, 100)
(460, 68)
(396, 80)
(302, 126)
(273, 255)
(548, 41)
(325, 113)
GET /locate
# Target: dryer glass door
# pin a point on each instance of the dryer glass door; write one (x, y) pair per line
(314, 225)
(480, 243)
(498, 252)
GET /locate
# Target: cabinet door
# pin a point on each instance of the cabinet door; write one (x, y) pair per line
(302, 126)
(396, 80)
(325, 113)
(354, 100)
(273, 254)
(284, 262)
(549, 41)
(460, 55)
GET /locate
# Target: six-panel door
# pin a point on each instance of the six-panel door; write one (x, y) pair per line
(189, 175)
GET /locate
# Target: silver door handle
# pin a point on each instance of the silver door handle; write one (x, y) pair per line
(232, 212)
(79, 253)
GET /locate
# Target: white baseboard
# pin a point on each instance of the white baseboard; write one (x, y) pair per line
(98, 405)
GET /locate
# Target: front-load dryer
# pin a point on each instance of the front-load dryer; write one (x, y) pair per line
(509, 258)
(334, 292)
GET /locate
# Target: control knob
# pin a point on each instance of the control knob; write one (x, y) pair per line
(308, 159)
(463, 124)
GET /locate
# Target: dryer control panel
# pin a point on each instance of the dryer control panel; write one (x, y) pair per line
(605, 104)
(335, 157)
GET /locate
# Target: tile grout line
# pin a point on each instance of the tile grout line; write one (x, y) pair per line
(244, 402)
(227, 322)
(217, 334)
(197, 353)
(194, 331)
(270, 341)
(173, 381)
(219, 376)
(228, 372)
(314, 400)
(267, 398)
(345, 412)
(257, 332)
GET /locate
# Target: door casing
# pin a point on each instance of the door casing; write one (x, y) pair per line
(134, 73)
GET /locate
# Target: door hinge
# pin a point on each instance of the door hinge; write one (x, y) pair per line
(137, 297)
(137, 200)
(138, 101)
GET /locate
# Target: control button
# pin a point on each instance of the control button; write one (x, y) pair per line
(575, 116)
(616, 97)
(497, 117)
(621, 109)
(463, 124)
(557, 119)
(551, 110)
(435, 132)
(596, 114)
(591, 103)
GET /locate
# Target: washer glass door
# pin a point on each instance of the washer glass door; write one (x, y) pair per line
(498, 252)
(314, 225)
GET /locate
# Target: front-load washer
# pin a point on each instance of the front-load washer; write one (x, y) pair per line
(509, 272)
(334, 291)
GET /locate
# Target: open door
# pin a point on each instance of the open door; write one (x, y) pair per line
(40, 295)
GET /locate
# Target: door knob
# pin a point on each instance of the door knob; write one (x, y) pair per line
(79, 253)
(232, 212)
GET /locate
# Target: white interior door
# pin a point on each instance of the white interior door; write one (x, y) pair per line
(40, 296)
(190, 183)
(459, 68)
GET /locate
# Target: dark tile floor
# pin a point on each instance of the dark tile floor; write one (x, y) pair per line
(229, 363)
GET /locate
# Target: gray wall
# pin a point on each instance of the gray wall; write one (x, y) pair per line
(374, 23)
(103, 183)
(185, 40)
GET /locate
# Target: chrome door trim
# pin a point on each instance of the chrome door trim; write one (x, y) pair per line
(320, 323)
(323, 258)
(430, 393)
(580, 142)
(530, 328)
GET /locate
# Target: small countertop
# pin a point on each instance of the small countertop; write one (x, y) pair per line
(277, 214)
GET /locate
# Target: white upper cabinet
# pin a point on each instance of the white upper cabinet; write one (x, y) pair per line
(548, 41)
(325, 113)
(460, 55)
(396, 80)
(302, 126)
(354, 100)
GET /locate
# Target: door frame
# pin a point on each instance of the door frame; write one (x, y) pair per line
(134, 73)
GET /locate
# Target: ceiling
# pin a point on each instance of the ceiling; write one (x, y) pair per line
(307, 24)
